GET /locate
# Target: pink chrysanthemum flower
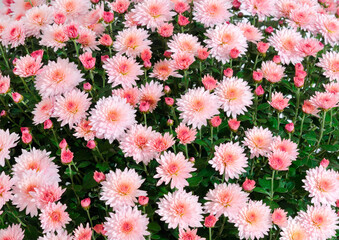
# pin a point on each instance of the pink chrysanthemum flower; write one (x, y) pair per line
(5, 83)
(251, 33)
(183, 42)
(272, 72)
(163, 69)
(43, 110)
(225, 199)
(222, 39)
(18, 8)
(278, 101)
(160, 143)
(279, 160)
(212, 12)
(13, 232)
(120, 6)
(84, 130)
(83, 233)
(182, 60)
(58, 235)
(54, 217)
(279, 217)
(197, 106)
(294, 230)
(285, 145)
(309, 108)
(6, 183)
(322, 185)
(111, 117)
(87, 39)
(71, 107)
(14, 34)
(230, 160)
(321, 222)
(185, 134)
(189, 234)
(253, 220)
(132, 41)
(332, 87)
(302, 17)
(4, 22)
(153, 13)
(73, 9)
(135, 144)
(132, 95)
(284, 42)
(330, 63)
(7, 141)
(174, 168)
(37, 18)
(27, 66)
(126, 223)
(284, 7)
(180, 209)
(151, 93)
(262, 8)
(57, 78)
(325, 100)
(258, 140)
(121, 188)
(235, 96)
(122, 70)
(54, 36)
(130, 21)
(47, 194)
(328, 26)
(309, 46)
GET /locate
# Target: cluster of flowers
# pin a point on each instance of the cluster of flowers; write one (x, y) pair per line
(176, 70)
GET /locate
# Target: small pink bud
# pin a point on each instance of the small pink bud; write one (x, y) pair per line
(182, 20)
(236, 4)
(86, 203)
(99, 176)
(66, 156)
(259, 91)
(300, 74)
(248, 185)
(262, 47)
(167, 54)
(257, 76)
(228, 72)
(87, 60)
(144, 106)
(234, 53)
(72, 31)
(91, 144)
(104, 58)
(108, 17)
(17, 97)
(26, 138)
(289, 127)
(298, 82)
(216, 121)
(281, 22)
(269, 30)
(167, 89)
(203, 53)
(59, 18)
(276, 59)
(192, 159)
(210, 221)
(147, 64)
(14, 61)
(143, 201)
(37, 54)
(99, 228)
(95, 1)
(24, 130)
(299, 67)
(3, 113)
(169, 101)
(170, 122)
(48, 124)
(63, 144)
(106, 40)
(181, 7)
(325, 164)
(146, 55)
(87, 86)
(234, 124)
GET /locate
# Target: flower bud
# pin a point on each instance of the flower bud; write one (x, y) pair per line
(144, 106)
(63, 144)
(66, 156)
(167, 54)
(234, 53)
(262, 47)
(259, 91)
(203, 53)
(169, 101)
(289, 127)
(143, 201)
(87, 60)
(325, 163)
(234, 124)
(72, 31)
(210, 221)
(236, 4)
(86, 203)
(298, 67)
(24, 130)
(248, 185)
(99, 176)
(298, 82)
(99, 228)
(91, 144)
(182, 20)
(104, 58)
(216, 121)
(167, 89)
(59, 18)
(48, 124)
(108, 17)
(192, 159)
(169, 122)
(3, 113)
(228, 72)
(257, 76)
(87, 86)
(269, 30)
(276, 59)
(106, 40)
(26, 138)
(17, 97)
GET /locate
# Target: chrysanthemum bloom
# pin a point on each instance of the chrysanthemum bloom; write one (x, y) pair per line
(230, 160)
(54, 36)
(37, 18)
(14, 34)
(180, 209)
(322, 185)
(47, 194)
(324, 100)
(166, 30)
(111, 117)
(121, 188)
(197, 106)
(4, 22)
(122, 70)
(84, 130)
(57, 78)
(87, 39)
(83, 233)
(279, 217)
(189, 234)
(302, 17)
(284, 42)
(272, 72)
(182, 60)
(73, 9)
(153, 13)
(285, 145)
(253, 220)
(12, 232)
(222, 39)
(126, 223)
(309, 46)
(135, 144)
(54, 217)
(185, 134)
(120, 6)
(330, 63)
(132, 95)
(251, 33)
(5, 83)
(71, 107)
(174, 168)
(160, 143)
(87, 60)
(163, 69)
(258, 140)
(284, 7)
(7, 141)
(58, 235)
(294, 230)
(332, 87)
(225, 199)
(328, 26)
(309, 108)
(262, 8)
(212, 12)
(6, 183)
(279, 160)
(209, 82)
(131, 41)
(27, 66)
(235, 96)
(278, 101)
(151, 93)
(321, 222)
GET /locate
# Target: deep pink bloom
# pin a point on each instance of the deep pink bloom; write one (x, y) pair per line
(228, 72)
(87, 60)
(269, 30)
(17, 97)
(234, 124)
(210, 221)
(169, 101)
(234, 53)
(298, 82)
(63, 144)
(203, 53)
(72, 31)
(209, 82)
(48, 124)
(257, 76)
(106, 40)
(248, 185)
(91, 144)
(66, 156)
(259, 91)
(276, 59)
(182, 20)
(87, 86)
(216, 121)
(108, 17)
(26, 138)
(262, 47)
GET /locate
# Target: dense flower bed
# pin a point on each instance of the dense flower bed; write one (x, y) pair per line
(169, 119)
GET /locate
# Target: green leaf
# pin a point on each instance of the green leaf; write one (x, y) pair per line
(266, 184)
(154, 227)
(260, 190)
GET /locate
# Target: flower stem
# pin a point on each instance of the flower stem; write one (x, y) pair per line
(174, 148)
(186, 150)
(102, 158)
(211, 134)
(255, 107)
(297, 106)
(210, 233)
(223, 176)
(145, 118)
(4, 56)
(278, 119)
(301, 127)
(89, 217)
(186, 79)
(27, 88)
(76, 49)
(145, 168)
(71, 176)
(321, 129)
(17, 218)
(272, 185)
(270, 92)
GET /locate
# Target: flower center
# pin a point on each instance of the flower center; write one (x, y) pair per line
(55, 216)
(124, 188)
(127, 227)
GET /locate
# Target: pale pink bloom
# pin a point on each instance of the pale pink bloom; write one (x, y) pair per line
(323, 185)
(225, 199)
(58, 235)
(166, 30)
(18, 8)
(262, 8)
(121, 188)
(5, 20)
(122, 70)
(279, 217)
(54, 36)
(209, 82)
(54, 217)
(309, 46)
(309, 108)
(330, 63)
(325, 100)
(163, 69)
(321, 222)
(294, 230)
(212, 12)
(284, 7)
(14, 34)
(6, 183)
(132, 95)
(174, 168)
(87, 39)
(83, 233)
(43, 110)
(126, 223)
(7, 141)
(197, 106)
(135, 144)
(13, 232)
(328, 27)
(259, 141)
(182, 60)
(189, 234)
(27, 66)
(180, 209)
(272, 72)
(284, 41)
(285, 145)
(222, 39)
(279, 160)
(73, 9)
(57, 78)
(235, 95)
(185, 134)
(5, 83)
(120, 6)
(130, 21)
(153, 13)
(151, 93)
(84, 130)
(131, 41)
(47, 194)
(230, 160)
(111, 116)
(71, 107)
(37, 18)
(160, 143)
(332, 87)
(278, 101)
(302, 17)
(251, 33)
(253, 220)
(183, 42)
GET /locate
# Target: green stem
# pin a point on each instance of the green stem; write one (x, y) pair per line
(71, 176)
(186, 79)
(222, 227)
(278, 119)
(297, 106)
(223, 176)
(76, 49)
(252, 166)
(211, 134)
(174, 148)
(210, 233)
(4, 56)
(102, 158)
(221, 71)
(91, 76)
(29, 90)
(331, 116)
(321, 129)
(301, 127)
(256, 62)
(18, 104)
(16, 217)
(145, 168)
(272, 185)
(255, 107)
(145, 118)
(200, 69)
(186, 150)
(89, 217)
(270, 92)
